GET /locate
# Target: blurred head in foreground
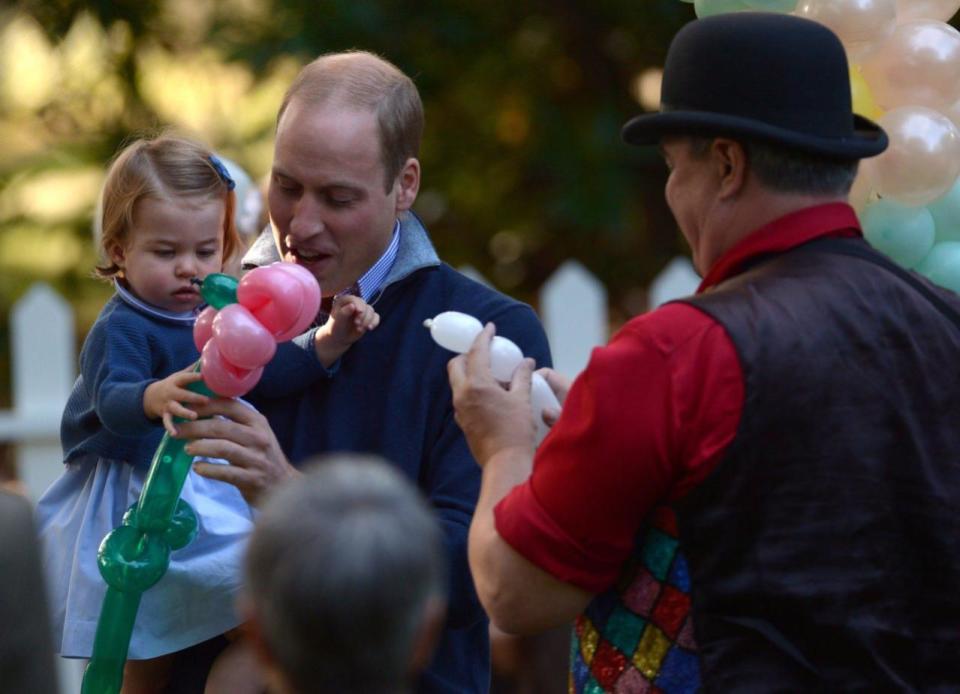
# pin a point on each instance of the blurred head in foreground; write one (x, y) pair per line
(346, 580)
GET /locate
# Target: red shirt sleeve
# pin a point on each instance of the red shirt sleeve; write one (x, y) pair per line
(648, 419)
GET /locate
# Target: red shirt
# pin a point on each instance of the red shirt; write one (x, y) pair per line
(649, 418)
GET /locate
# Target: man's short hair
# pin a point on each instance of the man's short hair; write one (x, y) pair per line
(790, 171)
(341, 568)
(368, 82)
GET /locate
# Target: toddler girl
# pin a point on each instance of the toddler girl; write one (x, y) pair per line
(165, 217)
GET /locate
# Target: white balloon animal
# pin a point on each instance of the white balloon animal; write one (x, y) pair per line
(456, 331)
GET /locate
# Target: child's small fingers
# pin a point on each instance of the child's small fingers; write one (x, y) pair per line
(168, 424)
(190, 376)
(193, 398)
(182, 412)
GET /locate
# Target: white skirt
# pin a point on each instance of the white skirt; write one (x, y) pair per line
(196, 598)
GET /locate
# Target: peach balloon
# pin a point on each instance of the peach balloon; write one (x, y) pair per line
(242, 340)
(953, 113)
(203, 327)
(923, 160)
(275, 297)
(858, 23)
(863, 190)
(917, 65)
(223, 378)
(311, 298)
(926, 9)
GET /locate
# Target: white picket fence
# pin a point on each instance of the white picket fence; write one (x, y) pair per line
(572, 306)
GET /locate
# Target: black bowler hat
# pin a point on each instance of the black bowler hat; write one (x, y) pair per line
(770, 77)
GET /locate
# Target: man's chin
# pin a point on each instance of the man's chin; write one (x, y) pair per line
(323, 271)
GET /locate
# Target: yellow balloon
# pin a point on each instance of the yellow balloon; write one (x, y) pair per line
(863, 102)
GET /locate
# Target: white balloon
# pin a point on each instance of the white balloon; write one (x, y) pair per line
(505, 357)
(454, 330)
(542, 398)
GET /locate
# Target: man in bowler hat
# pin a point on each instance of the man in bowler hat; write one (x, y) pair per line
(753, 488)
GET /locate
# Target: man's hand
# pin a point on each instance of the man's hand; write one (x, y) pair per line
(166, 398)
(560, 385)
(243, 438)
(493, 419)
(350, 319)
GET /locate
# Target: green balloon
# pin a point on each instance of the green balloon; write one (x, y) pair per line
(181, 530)
(219, 290)
(942, 265)
(772, 5)
(906, 234)
(135, 555)
(946, 214)
(131, 560)
(183, 526)
(706, 8)
(104, 673)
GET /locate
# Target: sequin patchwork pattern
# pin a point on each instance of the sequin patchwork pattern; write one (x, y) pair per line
(637, 637)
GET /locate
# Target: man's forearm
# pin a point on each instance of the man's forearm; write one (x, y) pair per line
(519, 596)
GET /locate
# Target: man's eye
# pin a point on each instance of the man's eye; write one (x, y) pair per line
(286, 185)
(340, 202)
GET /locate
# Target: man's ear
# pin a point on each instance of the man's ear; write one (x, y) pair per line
(730, 159)
(408, 184)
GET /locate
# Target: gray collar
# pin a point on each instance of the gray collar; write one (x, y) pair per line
(415, 252)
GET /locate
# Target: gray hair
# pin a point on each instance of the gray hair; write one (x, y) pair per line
(340, 569)
(788, 170)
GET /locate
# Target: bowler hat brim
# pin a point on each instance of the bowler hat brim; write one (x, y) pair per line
(866, 140)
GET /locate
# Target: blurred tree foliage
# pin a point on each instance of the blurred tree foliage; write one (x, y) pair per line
(523, 165)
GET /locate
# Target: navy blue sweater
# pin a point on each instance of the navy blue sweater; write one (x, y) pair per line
(391, 397)
(130, 346)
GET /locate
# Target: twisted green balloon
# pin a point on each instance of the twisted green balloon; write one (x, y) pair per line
(136, 554)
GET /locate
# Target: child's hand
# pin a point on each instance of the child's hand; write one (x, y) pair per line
(346, 331)
(165, 398)
(350, 318)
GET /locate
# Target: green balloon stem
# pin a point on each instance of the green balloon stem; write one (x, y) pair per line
(136, 554)
(104, 673)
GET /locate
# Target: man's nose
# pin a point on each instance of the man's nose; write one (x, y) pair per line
(307, 220)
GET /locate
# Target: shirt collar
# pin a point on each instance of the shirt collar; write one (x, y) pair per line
(780, 235)
(129, 298)
(372, 279)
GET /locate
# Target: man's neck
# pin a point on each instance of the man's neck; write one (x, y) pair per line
(752, 212)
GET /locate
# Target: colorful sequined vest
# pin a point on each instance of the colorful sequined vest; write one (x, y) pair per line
(638, 637)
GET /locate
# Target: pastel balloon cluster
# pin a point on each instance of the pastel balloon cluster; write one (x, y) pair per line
(904, 74)
(273, 304)
(456, 331)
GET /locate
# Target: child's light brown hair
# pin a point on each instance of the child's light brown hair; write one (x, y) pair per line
(166, 167)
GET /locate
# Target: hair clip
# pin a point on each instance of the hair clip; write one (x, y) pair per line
(222, 172)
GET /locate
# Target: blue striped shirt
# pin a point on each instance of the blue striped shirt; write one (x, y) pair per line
(371, 281)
